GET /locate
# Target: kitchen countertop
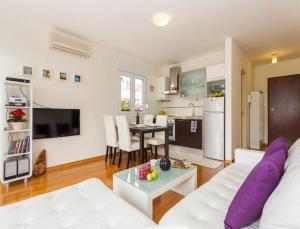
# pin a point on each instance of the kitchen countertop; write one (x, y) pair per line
(186, 117)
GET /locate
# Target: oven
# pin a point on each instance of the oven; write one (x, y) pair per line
(171, 129)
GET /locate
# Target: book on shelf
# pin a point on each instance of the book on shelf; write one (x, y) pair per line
(11, 147)
(19, 146)
(15, 150)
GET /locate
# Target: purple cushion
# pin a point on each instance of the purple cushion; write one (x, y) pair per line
(248, 203)
(277, 144)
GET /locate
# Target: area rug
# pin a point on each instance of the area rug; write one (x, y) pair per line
(193, 155)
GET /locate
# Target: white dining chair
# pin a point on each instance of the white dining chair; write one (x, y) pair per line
(125, 141)
(111, 137)
(148, 120)
(159, 137)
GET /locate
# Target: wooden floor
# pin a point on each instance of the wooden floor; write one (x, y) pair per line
(63, 176)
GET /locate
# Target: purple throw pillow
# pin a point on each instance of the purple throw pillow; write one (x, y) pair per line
(277, 144)
(248, 203)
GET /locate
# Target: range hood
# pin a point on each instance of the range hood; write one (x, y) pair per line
(174, 81)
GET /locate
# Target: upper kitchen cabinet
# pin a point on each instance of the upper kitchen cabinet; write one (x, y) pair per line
(193, 83)
(163, 85)
(215, 72)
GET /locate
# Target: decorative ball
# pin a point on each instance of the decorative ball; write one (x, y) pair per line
(165, 163)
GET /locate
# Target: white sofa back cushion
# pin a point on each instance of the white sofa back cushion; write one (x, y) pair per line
(282, 210)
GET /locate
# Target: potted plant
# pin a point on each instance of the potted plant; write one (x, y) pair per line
(17, 119)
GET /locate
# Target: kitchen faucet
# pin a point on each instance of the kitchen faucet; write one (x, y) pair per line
(193, 106)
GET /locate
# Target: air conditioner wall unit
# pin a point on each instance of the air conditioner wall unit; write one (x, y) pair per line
(70, 44)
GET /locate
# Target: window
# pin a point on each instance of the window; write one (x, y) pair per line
(125, 93)
(132, 92)
(138, 94)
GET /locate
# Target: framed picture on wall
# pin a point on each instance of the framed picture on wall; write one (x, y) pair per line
(46, 74)
(77, 78)
(26, 71)
(63, 76)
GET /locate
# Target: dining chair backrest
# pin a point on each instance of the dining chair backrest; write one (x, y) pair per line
(123, 132)
(161, 120)
(110, 131)
(148, 119)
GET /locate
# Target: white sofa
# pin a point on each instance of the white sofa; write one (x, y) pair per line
(91, 205)
(87, 205)
(207, 206)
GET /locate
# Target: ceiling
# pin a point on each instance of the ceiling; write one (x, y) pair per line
(197, 27)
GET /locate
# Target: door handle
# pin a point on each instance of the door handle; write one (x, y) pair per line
(273, 109)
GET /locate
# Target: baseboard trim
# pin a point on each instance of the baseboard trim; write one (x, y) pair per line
(229, 161)
(75, 163)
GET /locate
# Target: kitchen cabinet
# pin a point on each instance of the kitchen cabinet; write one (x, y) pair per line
(185, 137)
(193, 83)
(163, 84)
(215, 86)
(215, 72)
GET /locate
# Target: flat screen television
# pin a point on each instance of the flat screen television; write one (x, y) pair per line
(53, 123)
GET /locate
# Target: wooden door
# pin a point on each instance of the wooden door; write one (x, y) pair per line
(284, 108)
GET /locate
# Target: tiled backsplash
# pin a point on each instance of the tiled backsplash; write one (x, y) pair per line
(179, 106)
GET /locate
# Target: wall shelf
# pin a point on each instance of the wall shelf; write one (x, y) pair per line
(16, 107)
(13, 83)
(17, 131)
(15, 155)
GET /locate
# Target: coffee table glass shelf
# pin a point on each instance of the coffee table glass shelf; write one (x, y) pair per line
(140, 193)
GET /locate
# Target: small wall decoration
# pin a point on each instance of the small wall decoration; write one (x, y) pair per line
(46, 74)
(63, 76)
(77, 78)
(151, 88)
(27, 71)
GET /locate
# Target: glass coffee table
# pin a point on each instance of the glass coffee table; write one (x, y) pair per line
(140, 193)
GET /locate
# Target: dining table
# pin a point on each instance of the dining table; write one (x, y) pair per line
(144, 129)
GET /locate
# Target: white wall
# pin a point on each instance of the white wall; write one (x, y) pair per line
(197, 62)
(25, 43)
(261, 75)
(179, 106)
(247, 86)
(235, 61)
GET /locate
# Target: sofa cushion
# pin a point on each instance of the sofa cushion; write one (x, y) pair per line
(248, 202)
(277, 155)
(206, 207)
(277, 144)
(89, 204)
(282, 209)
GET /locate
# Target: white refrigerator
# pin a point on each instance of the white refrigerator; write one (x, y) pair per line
(256, 117)
(213, 128)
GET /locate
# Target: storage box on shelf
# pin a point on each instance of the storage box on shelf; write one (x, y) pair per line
(15, 144)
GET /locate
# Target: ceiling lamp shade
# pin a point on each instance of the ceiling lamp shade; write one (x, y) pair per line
(274, 58)
(161, 19)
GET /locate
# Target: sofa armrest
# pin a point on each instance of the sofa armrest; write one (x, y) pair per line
(248, 156)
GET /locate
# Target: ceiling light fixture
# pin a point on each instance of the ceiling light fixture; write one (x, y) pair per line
(161, 19)
(274, 58)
